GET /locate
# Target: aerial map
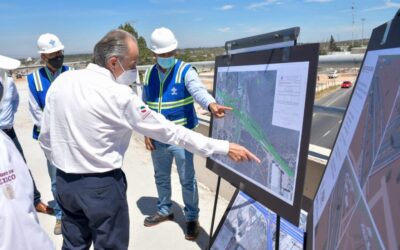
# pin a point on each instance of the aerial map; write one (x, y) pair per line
(292, 237)
(268, 104)
(357, 204)
(250, 225)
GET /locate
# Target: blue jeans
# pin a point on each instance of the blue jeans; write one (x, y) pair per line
(162, 161)
(53, 177)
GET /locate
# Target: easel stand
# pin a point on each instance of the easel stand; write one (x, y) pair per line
(214, 211)
(274, 40)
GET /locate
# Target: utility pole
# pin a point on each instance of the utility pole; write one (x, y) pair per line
(362, 31)
(352, 27)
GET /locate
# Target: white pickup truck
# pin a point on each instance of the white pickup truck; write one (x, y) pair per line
(333, 74)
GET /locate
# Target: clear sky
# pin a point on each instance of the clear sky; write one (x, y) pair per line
(196, 23)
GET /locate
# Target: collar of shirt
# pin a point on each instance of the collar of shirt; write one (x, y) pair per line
(52, 76)
(101, 70)
(161, 74)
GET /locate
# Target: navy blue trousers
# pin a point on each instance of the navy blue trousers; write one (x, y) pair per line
(95, 209)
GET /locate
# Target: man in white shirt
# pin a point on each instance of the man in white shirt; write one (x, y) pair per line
(85, 131)
(19, 225)
(8, 108)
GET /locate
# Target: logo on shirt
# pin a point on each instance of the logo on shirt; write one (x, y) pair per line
(8, 192)
(144, 111)
(174, 91)
(6, 178)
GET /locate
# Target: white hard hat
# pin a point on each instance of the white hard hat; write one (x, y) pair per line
(8, 63)
(49, 43)
(162, 41)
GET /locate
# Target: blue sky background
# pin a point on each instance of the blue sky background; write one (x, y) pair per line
(196, 23)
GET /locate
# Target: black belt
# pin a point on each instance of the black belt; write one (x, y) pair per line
(114, 172)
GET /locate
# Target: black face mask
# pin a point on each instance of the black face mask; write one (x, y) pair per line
(56, 62)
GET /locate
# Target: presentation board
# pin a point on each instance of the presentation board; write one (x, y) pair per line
(272, 95)
(292, 237)
(357, 203)
(248, 224)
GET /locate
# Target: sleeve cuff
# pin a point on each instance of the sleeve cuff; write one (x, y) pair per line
(221, 147)
(208, 104)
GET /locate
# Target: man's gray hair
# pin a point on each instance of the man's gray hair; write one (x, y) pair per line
(114, 43)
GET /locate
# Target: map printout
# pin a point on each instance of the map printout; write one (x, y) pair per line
(250, 225)
(268, 102)
(357, 203)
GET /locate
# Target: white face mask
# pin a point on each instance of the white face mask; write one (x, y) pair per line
(127, 77)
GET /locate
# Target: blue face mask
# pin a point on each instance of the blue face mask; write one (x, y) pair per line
(166, 62)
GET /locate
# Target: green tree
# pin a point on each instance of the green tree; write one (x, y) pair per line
(332, 45)
(146, 56)
(128, 28)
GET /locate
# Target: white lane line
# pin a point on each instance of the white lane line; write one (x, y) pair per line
(340, 121)
(327, 133)
(313, 115)
(335, 99)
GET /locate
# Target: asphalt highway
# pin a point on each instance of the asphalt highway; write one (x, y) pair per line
(325, 126)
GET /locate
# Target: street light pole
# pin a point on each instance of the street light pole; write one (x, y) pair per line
(352, 24)
(362, 32)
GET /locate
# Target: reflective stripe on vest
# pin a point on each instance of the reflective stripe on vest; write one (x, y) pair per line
(147, 75)
(170, 105)
(178, 78)
(167, 94)
(37, 80)
(181, 122)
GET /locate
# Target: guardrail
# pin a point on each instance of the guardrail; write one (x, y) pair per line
(324, 60)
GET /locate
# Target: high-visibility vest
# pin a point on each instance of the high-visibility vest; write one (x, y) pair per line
(39, 83)
(170, 96)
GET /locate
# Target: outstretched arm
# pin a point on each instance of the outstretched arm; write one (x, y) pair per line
(156, 126)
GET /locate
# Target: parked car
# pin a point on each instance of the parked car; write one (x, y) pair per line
(333, 74)
(346, 84)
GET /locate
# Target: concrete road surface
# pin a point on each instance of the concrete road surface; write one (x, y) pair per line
(142, 195)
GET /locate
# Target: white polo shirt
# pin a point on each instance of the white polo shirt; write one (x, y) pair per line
(19, 225)
(88, 121)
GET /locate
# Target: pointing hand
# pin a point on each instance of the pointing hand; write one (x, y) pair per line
(218, 110)
(240, 153)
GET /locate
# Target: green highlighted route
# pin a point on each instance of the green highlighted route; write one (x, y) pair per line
(254, 130)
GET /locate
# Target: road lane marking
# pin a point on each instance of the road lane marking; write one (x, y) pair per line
(340, 121)
(327, 133)
(335, 99)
